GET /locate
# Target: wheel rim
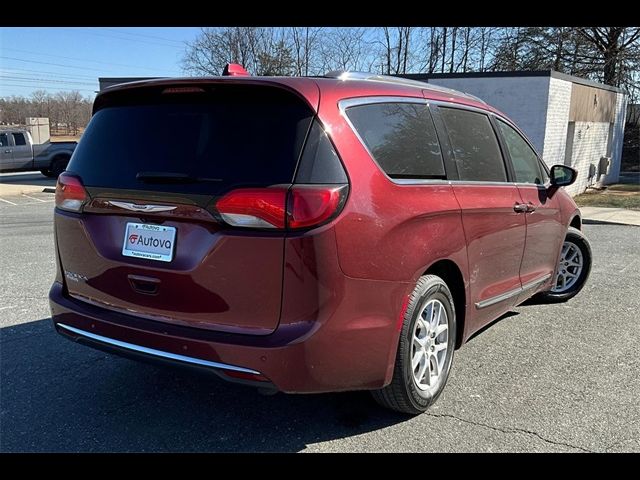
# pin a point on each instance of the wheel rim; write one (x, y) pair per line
(429, 344)
(569, 267)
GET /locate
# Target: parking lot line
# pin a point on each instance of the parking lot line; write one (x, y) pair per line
(7, 201)
(34, 198)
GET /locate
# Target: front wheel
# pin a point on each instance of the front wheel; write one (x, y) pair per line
(574, 266)
(425, 349)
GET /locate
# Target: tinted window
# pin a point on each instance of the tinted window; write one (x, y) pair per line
(524, 159)
(19, 139)
(4, 140)
(234, 136)
(401, 137)
(475, 147)
(320, 162)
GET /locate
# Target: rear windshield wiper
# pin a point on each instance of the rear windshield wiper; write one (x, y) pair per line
(172, 177)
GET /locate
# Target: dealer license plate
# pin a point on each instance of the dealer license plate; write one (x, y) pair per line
(153, 242)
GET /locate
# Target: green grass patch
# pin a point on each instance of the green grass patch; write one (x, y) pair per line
(624, 187)
(631, 202)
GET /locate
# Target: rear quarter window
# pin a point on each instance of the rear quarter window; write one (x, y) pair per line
(401, 138)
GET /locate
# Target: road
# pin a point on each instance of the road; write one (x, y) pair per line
(548, 378)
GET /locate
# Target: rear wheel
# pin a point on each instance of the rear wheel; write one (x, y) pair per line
(574, 266)
(425, 349)
(46, 172)
(58, 165)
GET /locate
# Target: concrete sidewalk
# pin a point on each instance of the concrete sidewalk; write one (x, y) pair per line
(620, 216)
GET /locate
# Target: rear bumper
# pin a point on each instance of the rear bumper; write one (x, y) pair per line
(340, 354)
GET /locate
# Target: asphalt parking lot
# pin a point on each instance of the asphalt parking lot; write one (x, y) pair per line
(548, 378)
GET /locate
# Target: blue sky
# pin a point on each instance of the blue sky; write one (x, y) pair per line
(72, 58)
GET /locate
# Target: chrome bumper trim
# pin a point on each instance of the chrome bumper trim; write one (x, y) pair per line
(157, 353)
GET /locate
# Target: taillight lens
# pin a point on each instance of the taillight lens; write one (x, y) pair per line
(312, 205)
(254, 207)
(70, 193)
(301, 206)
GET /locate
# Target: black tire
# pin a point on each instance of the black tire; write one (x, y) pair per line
(58, 165)
(46, 172)
(576, 237)
(403, 394)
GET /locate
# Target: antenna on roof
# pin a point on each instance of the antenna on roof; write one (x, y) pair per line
(234, 70)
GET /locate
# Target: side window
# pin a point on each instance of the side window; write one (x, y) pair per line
(18, 138)
(401, 137)
(475, 146)
(524, 159)
(4, 140)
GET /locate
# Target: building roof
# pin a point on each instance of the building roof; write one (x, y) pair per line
(515, 73)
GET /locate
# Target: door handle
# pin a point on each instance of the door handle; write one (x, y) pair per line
(531, 207)
(8, 151)
(520, 207)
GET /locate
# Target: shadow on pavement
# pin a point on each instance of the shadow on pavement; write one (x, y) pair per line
(489, 325)
(27, 179)
(59, 396)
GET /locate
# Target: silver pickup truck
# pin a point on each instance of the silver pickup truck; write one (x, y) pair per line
(18, 153)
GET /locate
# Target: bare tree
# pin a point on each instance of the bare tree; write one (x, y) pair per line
(304, 41)
(396, 49)
(346, 49)
(67, 108)
(614, 45)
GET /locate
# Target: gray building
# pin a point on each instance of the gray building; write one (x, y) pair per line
(570, 120)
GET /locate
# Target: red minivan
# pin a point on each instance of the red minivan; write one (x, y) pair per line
(306, 234)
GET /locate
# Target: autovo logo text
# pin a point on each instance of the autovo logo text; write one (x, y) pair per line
(136, 239)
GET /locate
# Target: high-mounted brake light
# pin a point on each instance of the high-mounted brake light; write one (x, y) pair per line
(302, 206)
(183, 90)
(70, 193)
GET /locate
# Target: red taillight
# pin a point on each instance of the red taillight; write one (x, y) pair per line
(70, 193)
(311, 205)
(302, 206)
(254, 207)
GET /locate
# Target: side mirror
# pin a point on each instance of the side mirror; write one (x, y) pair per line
(561, 175)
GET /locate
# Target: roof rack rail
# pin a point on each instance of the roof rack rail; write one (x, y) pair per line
(372, 77)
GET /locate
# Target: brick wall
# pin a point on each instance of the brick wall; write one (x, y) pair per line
(555, 137)
(615, 148)
(589, 144)
(522, 99)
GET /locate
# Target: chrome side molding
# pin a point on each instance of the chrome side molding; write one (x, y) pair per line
(512, 293)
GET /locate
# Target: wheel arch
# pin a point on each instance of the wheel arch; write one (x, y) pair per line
(59, 155)
(451, 273)
(576, 222)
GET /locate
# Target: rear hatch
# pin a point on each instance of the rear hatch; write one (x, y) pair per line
(149, 240)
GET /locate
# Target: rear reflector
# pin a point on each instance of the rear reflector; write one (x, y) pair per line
(70, 193)
(302, 206)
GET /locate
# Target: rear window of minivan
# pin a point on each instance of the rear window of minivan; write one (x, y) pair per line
(221, 139)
